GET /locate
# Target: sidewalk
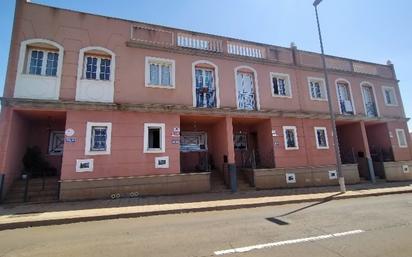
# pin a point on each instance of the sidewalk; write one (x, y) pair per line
(25, 215)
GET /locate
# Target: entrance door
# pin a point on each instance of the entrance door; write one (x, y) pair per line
(245, 91)
(369, 100)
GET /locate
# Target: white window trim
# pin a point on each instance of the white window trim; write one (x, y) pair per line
(237, 69)
(366, 83)
(323, 85)
(350, 92)
(317, 139)
(149, 60)
(394, 96)
(89, 126)
(216, 74)
(295, 135)
(284, 76)
(162, 148)
(44, 61)
(404, 135)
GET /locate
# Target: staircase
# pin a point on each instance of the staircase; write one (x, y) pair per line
(35, 192)
(243, 183)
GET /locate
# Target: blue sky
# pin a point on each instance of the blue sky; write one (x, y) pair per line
(369, 30)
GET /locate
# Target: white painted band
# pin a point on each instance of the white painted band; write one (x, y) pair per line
(286, 242)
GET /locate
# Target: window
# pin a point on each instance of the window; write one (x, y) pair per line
(245, 91)
(317, 89)
(160, 72)
(97, 68)
(193, 141)
(345, 98)
(280, 84)
(369, 103)
(291, 140)
(389, 96)
(154, 138)
(98, 138)
(56, 142)
(321, 138)
(205, 88)
(400, 134)
(42, 62)
(240, 141)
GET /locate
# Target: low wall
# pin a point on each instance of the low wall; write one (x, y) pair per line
(394, 171)
(305, 176)
(143, 185)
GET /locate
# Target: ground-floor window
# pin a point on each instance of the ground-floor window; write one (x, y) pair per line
(193, 141)
(291, 139)
(240, 141)
(400, 134)
(321, 138)
(154, 138)
(56, 142)
(98, 138)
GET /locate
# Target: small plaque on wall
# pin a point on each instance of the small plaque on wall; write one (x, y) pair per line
(162, 162)
(84, 165)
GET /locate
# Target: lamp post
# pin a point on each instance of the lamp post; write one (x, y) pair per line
(331, 112)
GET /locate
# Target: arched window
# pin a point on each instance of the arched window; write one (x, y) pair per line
(369, 99)
(205, 78)
(39, 69)
(345, 98)
(95, 75)
(247, 90)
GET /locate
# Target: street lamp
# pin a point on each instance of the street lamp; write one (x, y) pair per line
(331, 112)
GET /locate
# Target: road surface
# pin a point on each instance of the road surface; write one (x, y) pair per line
(372, 226)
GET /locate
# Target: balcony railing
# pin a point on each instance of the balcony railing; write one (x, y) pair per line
(244, 50)
(167, 37)
(200, 43)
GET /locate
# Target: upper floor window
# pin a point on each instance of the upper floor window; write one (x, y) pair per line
(317, 89)
(160, 72)
(291, 138)
(390, 96)
(369, 102)
(97, 67)
(400, 134)
(280, 85)
(345, 98)
(42, 62)
(247, 93)
(205, 87)
(98, 138)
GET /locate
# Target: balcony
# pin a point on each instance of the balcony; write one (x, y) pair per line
(180, 40)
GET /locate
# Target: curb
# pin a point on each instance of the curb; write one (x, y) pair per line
(38, 223)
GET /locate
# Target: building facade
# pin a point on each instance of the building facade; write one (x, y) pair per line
(119, 107)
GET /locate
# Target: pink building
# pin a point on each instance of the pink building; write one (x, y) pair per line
(125, 108)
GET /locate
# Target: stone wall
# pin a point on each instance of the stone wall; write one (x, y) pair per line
(398, 171)
(142, 185)
(305, 176)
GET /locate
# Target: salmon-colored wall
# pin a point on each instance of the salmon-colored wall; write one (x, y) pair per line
(13, 145)
(307, 154)
(222, 142)
(127, 157)
(400, 154)
(350, 136)
(75, 30)
(378, 137)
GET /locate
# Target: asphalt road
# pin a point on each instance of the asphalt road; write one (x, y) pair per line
(377, 226)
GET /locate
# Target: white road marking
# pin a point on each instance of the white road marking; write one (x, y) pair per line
(287, 242)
